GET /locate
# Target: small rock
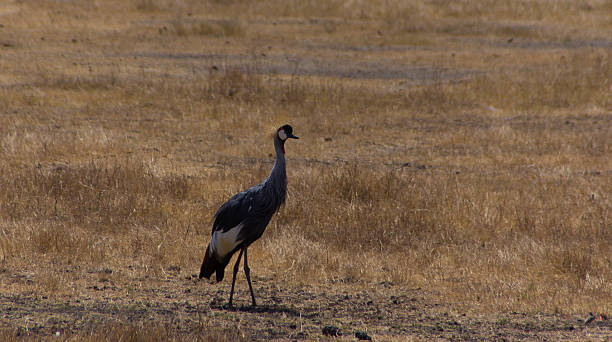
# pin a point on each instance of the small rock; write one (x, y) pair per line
(362, 336)
(330, 330)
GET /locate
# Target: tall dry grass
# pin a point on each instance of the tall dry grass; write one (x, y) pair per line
(486, 209)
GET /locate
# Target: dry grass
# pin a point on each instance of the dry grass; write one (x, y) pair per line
(492, 189)
(137, 333)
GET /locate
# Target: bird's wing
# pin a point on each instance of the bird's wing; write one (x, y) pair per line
(236, 210)
(235, 222)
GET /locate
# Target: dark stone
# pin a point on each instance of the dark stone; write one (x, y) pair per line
(362, 336)
(330, 330)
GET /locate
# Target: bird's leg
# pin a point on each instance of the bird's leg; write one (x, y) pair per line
(247, 272)
(234, 276)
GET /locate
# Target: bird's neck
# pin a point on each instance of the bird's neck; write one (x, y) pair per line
(276, 184)
(278, 171)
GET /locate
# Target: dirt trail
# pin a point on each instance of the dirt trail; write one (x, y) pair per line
(308, 66)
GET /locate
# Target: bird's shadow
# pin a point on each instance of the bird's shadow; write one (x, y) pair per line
(266, 308)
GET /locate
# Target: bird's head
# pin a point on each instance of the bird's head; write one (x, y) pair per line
(285, 132)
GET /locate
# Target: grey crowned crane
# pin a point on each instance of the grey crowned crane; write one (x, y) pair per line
(244, 217)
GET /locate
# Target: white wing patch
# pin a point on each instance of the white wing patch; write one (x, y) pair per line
(224, 242)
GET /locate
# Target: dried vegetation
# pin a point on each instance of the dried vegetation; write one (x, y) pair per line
(492, 190)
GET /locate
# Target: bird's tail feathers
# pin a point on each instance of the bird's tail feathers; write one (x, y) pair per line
(211, 265)
(220, 273)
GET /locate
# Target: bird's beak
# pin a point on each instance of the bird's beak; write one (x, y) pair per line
(293, 136)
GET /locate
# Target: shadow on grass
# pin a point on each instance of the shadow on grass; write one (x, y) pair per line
(271, 309)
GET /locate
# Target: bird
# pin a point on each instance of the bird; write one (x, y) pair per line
(243, 218)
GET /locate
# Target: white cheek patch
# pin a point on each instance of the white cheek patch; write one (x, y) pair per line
(224, 242)
(282, 135)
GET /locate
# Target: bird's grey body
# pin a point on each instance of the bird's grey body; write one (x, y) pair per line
(245, 216)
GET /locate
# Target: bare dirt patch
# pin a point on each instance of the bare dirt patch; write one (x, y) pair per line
(181, 305)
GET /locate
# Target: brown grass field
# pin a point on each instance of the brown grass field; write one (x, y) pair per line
(453, 180)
